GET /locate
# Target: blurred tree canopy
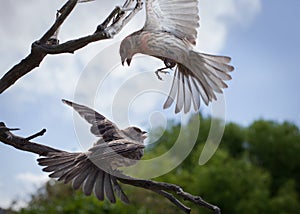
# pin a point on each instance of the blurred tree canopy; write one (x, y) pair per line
(256, 169)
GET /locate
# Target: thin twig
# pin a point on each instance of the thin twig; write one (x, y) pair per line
(22, 143)
(36, 56)
(173, 200)
(42, 47)
(65, 11)
(40, 133)
(170, 191)
(154, 185)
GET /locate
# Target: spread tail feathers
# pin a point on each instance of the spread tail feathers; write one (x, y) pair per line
(203, 75)
(78, 169)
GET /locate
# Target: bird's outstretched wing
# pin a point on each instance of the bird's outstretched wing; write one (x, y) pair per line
(78, 169)
(179, 17)
(116, 148)
(101, 126)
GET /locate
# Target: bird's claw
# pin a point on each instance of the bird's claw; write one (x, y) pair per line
(161, 70)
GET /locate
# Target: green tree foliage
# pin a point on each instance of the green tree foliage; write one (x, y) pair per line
(255, 170)
(276, 148)
(234, 136)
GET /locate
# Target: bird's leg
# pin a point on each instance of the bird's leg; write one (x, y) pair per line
(161, 70)
(169, 63)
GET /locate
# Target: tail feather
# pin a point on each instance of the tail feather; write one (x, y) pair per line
(206, 91)
(218, 72)
(99, 186)
(195, 99)
(185, 90)
(186, 93)
(62, 166)
(69, 175)
(81, 176)
(90, 181)
(180, 93)
(216, 58)
(216, 84)
(218, 64)
(119, 192)
(195, 94)
(172, 93)
(203, 76)
(69, 172)
(53, 160)
(202, 92)
(109, 191)
(81, 172)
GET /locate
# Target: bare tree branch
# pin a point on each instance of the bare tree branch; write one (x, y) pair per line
(22, 143)
(170, 191)
(173, 200)
(167, 188)
(65, 11)
(49, 44)
(117, 19)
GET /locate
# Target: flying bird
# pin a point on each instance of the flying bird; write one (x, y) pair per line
(169, 34)
(96, 169)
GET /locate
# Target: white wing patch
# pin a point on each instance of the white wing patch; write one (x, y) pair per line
(179, 17)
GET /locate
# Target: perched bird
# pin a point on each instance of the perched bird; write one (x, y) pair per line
(96, 169)
(169, 34)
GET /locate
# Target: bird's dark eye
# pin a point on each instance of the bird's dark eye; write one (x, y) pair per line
(137, 129)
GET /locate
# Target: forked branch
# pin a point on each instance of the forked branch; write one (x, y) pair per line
(170, 191)
(112, 25)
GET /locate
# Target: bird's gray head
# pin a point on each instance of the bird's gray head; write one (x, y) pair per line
(127, 50)
(135, 133)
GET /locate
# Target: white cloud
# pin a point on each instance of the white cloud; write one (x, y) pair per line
(30, 179)
(25, 22)
(58, 76)
(24, 183)
(218, 16)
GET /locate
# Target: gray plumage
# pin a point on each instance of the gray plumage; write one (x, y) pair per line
(169, 34)
(95, 170)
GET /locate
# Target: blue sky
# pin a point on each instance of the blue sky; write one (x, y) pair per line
(266, 82)
(262, 37)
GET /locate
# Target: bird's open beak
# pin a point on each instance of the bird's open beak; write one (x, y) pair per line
(144, 134)
(128, 61)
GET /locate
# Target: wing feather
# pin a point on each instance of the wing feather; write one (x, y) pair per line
(179, 17)
(101, 126)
